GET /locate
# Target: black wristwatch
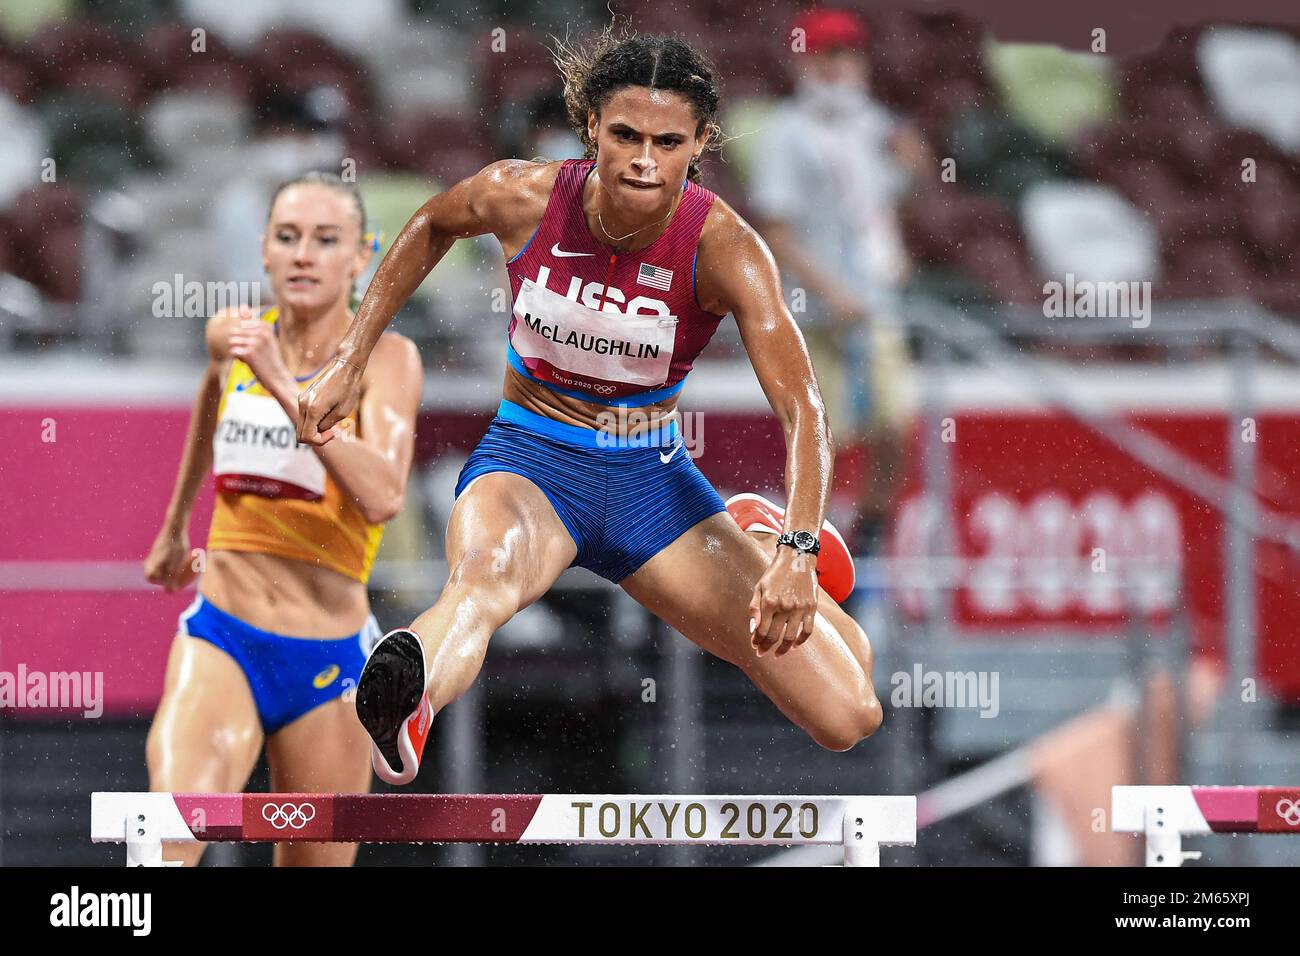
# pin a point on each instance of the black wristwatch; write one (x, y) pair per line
(803, 541)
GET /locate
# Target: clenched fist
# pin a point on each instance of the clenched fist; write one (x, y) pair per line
(328, 401)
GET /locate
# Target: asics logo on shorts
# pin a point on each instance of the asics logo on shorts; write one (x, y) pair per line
(1289, 811)
(325, 677)
(288, 816)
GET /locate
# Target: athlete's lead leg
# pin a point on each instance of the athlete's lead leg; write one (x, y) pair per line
(702, 583)
(505, 548)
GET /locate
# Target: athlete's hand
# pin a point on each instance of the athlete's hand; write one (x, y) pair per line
(170, 562)
(784, 607)
(328, 401)
(253, 341)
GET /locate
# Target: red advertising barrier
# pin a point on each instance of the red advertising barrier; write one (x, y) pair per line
(1034, 486)
(85, 500)
(85, 490)
(82, 510)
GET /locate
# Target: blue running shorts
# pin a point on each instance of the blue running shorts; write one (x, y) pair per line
(289, 676)
(623, 500)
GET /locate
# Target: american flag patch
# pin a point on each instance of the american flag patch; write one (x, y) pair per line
(654, 277)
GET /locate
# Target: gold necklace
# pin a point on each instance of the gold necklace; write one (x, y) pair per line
(633, 232)
(672, 210)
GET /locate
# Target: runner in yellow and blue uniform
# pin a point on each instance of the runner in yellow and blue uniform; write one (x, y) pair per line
(281, 626)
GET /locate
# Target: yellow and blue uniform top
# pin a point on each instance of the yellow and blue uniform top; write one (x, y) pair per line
(275, 496)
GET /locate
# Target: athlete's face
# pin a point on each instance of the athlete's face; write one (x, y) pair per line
(312, 247)
(645, 141)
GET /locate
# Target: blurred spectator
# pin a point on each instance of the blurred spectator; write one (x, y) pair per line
(295, 134)
(549, 135)
(831, 167)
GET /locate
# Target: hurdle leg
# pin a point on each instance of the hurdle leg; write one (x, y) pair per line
(143, 843)
(861, 842)
(1163, 815)
(1164, 841)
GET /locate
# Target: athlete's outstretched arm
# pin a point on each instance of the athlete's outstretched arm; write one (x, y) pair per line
(736, 273)
(169, 562)
(487, 202)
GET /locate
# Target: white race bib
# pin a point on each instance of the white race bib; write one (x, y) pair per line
(609, 346)
(256, 451)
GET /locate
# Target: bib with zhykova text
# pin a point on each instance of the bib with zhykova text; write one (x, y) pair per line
(257, 452)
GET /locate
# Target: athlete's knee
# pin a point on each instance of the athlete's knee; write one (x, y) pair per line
(175, 766)
(489, 575)
(852, 722)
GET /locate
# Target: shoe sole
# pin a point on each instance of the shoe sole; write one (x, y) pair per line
(388, 694)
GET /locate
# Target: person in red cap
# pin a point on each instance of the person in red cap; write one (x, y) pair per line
(822, 30)
(828, 171)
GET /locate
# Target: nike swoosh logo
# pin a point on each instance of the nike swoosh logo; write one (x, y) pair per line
(557, 251)
(669, 457)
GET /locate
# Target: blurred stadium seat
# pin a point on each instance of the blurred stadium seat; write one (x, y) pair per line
(1253, 77)
(124, 94)
(1090, 231)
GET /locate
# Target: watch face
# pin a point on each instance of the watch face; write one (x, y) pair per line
(804, 540)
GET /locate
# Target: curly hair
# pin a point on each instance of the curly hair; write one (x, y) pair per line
(617, 58)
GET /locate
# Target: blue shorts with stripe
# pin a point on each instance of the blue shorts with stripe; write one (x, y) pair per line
(289, 676)
(622, 500)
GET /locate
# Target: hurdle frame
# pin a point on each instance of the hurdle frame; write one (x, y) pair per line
(861, 825)
(1166, 814)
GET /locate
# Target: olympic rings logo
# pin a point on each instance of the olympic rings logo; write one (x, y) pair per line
(1289, 811)
(588, 386)
(289, 815)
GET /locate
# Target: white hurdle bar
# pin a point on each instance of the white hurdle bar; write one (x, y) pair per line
(1164, 815)
(144, 821)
